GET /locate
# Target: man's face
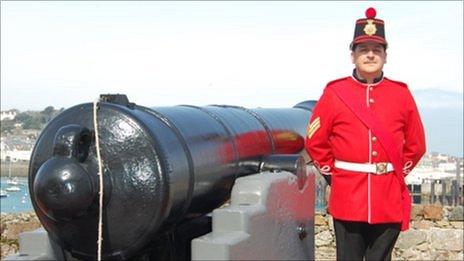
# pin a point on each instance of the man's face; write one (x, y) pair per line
(369, 58)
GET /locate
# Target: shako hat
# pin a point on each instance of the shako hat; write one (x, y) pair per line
(369, 29)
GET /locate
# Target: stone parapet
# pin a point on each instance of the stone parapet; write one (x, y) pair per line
(429, 237)
(436, 233)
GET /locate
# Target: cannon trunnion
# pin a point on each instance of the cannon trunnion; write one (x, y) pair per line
(163, 167)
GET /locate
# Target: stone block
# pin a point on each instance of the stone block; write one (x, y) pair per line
(324, 238)
(411, 254)
(443, 255)
(447, 211)
(457, 224)
(432, 255)
(423, 224)
(433, 212)
(456, 256)
(7, 250)
(443, 224)
(426, 255)
(331, 224)
(325, 253)
(395, 254)
(13, 230)
(320, 220)
(456, 214)
(417, 212)
(446, 239)
(423, 247)
(319, 229)
(410, 238)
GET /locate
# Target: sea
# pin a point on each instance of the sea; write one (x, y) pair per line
(15, 202)
(20, 201)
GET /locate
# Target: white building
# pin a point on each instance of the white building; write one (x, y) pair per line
(16, 155)
(447, 166)
(7, 115)
(7, 153)
(418, 175)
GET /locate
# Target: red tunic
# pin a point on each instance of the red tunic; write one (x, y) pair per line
(335, 133)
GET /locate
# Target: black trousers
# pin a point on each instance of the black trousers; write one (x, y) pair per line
(358, 240)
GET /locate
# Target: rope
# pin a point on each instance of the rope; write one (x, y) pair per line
(100, 174)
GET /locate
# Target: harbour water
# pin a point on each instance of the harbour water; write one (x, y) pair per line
(16, 201)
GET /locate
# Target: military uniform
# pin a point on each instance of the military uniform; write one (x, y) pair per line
(335, 135)
(364, 138)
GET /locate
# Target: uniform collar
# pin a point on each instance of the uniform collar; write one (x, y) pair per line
(364, 82)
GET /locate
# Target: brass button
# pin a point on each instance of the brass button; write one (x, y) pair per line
(374, 153)
(371, 100)
(374, 139)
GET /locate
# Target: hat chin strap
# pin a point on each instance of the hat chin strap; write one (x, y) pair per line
(376, 78)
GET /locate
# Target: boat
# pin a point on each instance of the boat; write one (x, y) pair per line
(3, 193)
(13, 181)
(13, 189)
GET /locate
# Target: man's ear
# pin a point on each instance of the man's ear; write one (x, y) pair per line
(352, 57)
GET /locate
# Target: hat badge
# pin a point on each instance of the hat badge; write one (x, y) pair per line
(370, 28)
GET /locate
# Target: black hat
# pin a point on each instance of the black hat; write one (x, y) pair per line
(369, 29)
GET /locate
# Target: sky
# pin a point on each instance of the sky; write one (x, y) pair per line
(253, 54)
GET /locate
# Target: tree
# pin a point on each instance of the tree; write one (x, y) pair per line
(7, 126)
(48, 113)
(30, 120)
(22, 117)
(49, 110)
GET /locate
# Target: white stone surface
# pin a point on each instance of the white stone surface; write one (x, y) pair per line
(262, 221)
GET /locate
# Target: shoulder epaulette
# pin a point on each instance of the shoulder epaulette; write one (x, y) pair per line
(336, 81)
(397, 82)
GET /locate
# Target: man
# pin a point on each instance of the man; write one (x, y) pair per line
(365, 134)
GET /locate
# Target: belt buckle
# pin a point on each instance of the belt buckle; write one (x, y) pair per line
(381, 168)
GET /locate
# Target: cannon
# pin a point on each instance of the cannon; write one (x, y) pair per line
(164, 170)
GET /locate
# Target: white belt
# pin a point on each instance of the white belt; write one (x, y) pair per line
(374, 168)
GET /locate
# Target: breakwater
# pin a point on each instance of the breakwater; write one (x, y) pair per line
(15, 169)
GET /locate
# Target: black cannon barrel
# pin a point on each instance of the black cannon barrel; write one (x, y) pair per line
(161, 166)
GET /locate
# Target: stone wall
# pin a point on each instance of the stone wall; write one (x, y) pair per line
(11, 226)
(436, 233)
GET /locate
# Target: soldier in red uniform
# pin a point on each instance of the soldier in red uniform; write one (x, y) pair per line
(365, 134)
